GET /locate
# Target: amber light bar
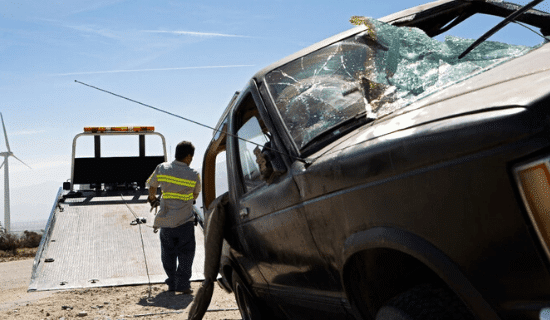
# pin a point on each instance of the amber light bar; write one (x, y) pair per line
(119, 129)
(534, 183)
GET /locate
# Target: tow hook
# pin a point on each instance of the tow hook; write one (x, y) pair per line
(139, 220)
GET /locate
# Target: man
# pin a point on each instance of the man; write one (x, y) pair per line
(180, 185)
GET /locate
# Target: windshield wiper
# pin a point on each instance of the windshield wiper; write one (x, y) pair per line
(499, 26)
(358, 120)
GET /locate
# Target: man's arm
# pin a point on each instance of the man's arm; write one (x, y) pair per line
(152, 184)
(152, 192)
(197, 189)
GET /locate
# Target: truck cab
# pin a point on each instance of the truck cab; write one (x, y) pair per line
(119, 173)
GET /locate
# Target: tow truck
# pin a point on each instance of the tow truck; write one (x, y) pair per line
(99, 232)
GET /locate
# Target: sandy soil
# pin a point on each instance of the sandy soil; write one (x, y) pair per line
(100, 303)
(22, 254)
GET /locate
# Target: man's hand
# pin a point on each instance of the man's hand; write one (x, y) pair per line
(154, 201)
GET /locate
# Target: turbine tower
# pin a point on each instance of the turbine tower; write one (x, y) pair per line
(6, 155)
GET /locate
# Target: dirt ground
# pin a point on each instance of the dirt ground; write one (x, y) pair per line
(22, 254)
(100, 303)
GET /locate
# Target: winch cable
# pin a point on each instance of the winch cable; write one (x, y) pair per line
(139, 222)
(306, 161)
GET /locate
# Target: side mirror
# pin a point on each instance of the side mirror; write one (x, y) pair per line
(66, 185)
(276, 161)
(270, 163)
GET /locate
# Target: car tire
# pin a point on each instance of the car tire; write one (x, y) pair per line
(248, 306)
(425, 302)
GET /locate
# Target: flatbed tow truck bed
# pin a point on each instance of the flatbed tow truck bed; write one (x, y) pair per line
(92, 239)
(104, 248)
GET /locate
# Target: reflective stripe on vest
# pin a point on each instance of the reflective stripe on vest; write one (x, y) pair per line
(177, 196)
(178, 181)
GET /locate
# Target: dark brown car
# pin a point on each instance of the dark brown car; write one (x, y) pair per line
(375, 175)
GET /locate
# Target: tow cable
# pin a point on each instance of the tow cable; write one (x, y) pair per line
(139, 221)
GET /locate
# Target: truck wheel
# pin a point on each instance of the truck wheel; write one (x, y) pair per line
(247, 304)
(425, 302)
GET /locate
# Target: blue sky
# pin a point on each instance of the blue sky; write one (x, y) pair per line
(185, 57)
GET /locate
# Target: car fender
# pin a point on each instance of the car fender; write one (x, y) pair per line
(423, 251)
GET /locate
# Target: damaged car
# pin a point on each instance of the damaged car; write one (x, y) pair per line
(386, 174)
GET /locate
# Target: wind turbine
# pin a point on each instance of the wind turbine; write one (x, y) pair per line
(6, 155)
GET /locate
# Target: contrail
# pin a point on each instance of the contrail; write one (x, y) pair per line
(147, 70)
(200, 34)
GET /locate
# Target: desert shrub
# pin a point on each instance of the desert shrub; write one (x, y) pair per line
(30, 239)
(9, 242)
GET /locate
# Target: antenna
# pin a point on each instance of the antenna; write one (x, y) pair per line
(6, 155)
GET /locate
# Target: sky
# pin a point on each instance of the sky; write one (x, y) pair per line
(186, 57)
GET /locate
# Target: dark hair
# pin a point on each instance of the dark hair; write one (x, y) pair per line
(183, 149)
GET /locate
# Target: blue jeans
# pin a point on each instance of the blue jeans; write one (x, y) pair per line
(177, 253)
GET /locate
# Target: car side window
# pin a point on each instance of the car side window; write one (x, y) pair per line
(253, 164)
(221, 174)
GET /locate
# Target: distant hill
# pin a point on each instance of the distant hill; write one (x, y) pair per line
(36, 226)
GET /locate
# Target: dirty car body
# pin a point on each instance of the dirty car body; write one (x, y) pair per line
(372, 169)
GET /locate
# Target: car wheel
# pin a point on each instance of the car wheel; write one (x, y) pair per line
(425, 302)
(247, 304)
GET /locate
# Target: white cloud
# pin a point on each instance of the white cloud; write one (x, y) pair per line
(26, 132)
(119, 35)
(39, 167)
(198, 34)
(98, 31)
(148, 70)
(94, 5)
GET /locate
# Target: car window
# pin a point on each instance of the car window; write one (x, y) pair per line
(221, 174)
(250, 154)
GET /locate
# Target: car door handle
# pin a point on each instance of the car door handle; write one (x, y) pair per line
(244, 212)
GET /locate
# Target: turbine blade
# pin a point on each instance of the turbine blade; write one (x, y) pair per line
(5, 134)
(3, 163)
(21, 161)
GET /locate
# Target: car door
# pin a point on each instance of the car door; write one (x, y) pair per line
(271, 215)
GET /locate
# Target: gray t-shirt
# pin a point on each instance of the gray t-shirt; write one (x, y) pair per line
(177, 182)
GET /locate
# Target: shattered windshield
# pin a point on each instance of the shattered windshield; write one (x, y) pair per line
(377, 72)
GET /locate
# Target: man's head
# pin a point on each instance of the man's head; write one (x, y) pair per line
(185, 151)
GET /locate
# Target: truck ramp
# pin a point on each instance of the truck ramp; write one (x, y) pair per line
(92, 242)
